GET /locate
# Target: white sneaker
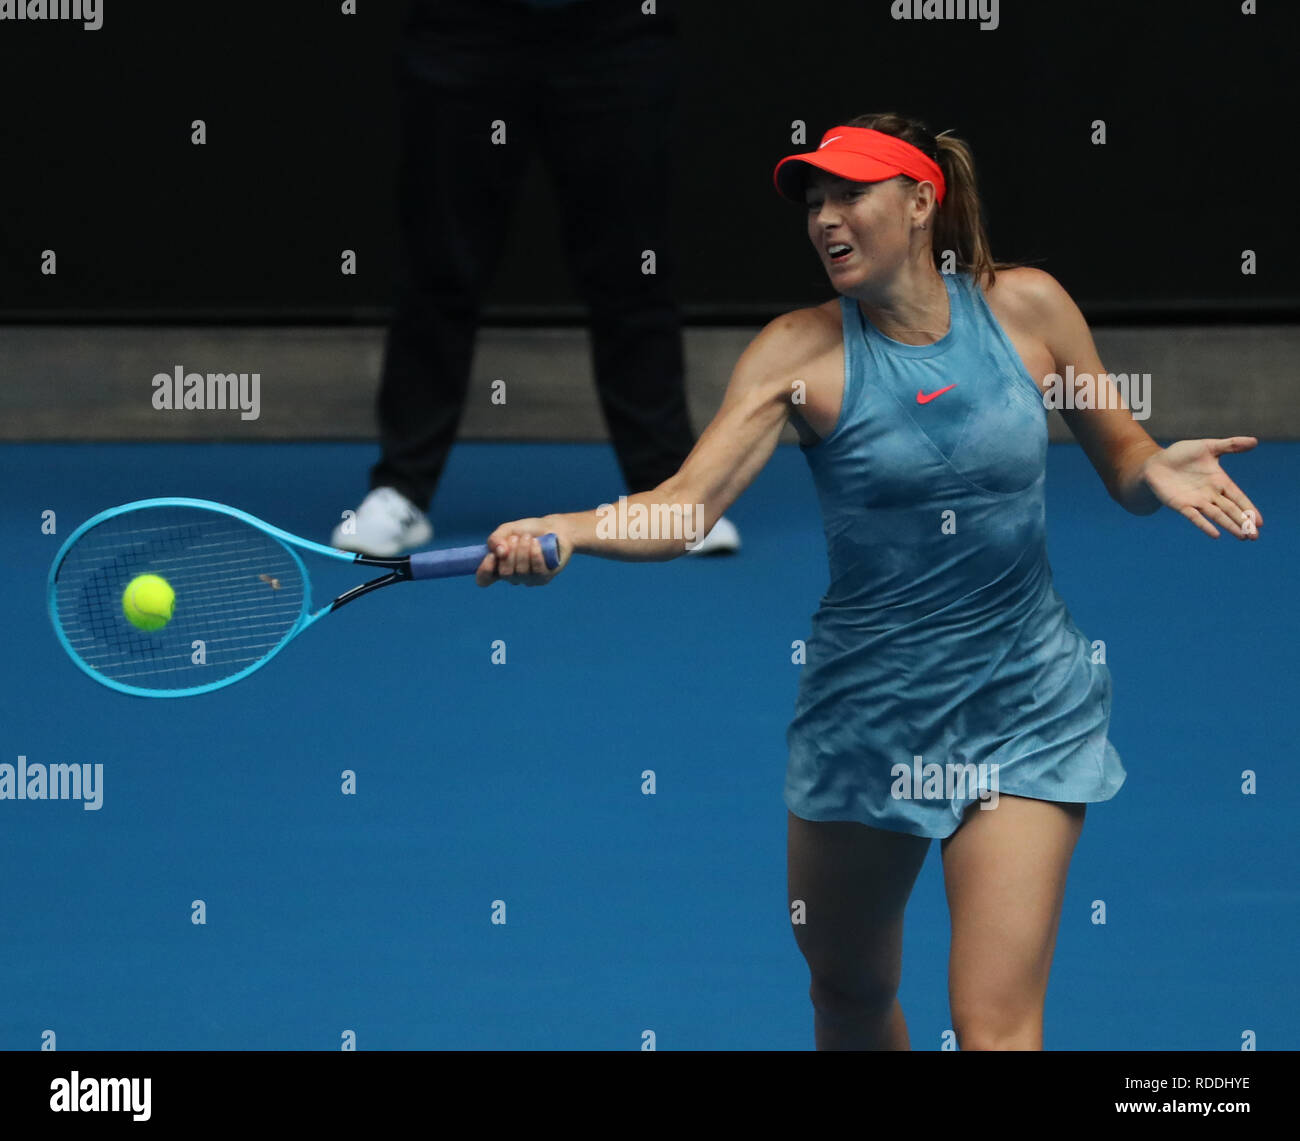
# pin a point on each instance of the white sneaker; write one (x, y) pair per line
(722, 539)
(385, 525)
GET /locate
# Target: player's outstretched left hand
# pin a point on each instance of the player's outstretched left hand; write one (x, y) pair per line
(1187, 478)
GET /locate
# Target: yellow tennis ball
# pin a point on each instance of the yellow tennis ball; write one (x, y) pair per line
(147, 602)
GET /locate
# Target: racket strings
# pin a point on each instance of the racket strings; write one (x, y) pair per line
(239, 594)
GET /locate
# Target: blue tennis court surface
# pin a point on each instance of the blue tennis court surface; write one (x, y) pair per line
(522, 783)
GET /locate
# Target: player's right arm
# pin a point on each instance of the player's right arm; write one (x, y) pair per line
(730, 452)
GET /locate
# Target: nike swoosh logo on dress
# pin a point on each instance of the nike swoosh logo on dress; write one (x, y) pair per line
(923, 398)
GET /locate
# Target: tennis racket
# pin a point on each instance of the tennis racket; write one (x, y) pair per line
(242, 592)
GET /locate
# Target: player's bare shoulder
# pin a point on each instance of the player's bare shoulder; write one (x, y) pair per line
(799, 336)
(798, 358)
(1024, 296)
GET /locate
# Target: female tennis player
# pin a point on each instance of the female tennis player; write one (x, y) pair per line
(918, 396)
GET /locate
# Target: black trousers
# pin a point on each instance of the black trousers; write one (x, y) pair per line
(592, 87)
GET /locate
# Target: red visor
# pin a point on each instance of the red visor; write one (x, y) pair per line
(860, 155)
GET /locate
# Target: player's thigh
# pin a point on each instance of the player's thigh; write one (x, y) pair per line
(853, 883)
(1004, 875)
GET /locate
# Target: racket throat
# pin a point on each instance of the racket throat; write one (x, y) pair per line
(399, 571)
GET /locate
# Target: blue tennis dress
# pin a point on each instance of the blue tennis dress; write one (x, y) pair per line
(942, 666)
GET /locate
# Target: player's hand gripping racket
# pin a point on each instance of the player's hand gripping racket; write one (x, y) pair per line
(240, 592)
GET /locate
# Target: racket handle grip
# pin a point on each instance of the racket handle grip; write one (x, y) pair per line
(453, 561)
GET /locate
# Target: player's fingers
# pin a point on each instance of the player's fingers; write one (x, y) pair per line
(1223, 513)
(500, 546)
(1195, 516)
(1232, 444)
(518, 558)
(1241, 501)
(486, 574)
(524, 559)
(1245, 519)
(540, 573)
(501, 549)
(518, 553)
(499, 541)
(537, 560)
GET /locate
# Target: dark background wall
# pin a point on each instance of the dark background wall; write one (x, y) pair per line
(1198, 99)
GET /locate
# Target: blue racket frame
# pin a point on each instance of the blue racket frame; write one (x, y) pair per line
(443, 563)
